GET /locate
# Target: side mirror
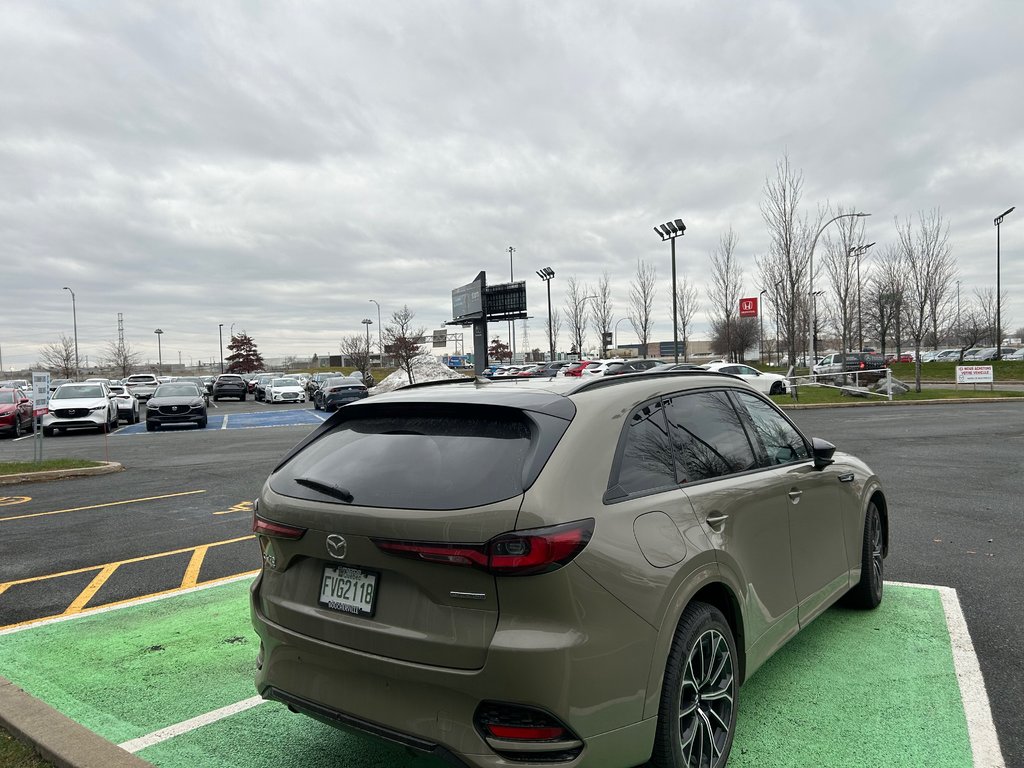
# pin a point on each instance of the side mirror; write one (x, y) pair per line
(24, 400)
(822, 450)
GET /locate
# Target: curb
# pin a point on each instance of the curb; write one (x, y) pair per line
(105, 468)
(56, 737)
(875, 403)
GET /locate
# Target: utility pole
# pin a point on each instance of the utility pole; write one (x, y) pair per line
(511, 323)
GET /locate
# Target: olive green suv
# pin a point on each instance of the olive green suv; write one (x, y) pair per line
(580, 572)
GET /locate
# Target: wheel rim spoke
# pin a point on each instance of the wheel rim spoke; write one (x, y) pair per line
(706, 700)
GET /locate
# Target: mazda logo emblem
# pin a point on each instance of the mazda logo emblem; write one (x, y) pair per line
(337, 547)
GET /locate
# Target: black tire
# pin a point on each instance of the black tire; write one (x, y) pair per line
(697, 715)
(202, 424)
(47, 431)
(150, 426)
(134, 417)
(17, 427)
(215, 398)
(776, 388)
(867, 593)
(242, 399)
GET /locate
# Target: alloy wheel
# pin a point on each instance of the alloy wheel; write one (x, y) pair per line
(706, 701)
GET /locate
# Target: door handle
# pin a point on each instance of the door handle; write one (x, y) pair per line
(795, 495)
(716, 520)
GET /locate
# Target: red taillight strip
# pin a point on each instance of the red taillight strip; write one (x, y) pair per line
(524, 733)
(264, 527)
(517, 553)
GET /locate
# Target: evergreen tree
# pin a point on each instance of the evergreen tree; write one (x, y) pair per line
(244, 357)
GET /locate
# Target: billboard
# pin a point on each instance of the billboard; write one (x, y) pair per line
(748, 307)
(440, 338)
(506, 301)
(468, 301)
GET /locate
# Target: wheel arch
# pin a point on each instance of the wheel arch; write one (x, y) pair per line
(883, 512)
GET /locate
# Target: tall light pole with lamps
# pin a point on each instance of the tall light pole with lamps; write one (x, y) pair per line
(958, 313)
(511, 323)
(380, 335)
(159, 352)
(367, 322)
(670, 230)
(74, 319)
(811, 293)
(546, 274)
(999, 299)
(855, 253)
(220, 334)
(616, 330)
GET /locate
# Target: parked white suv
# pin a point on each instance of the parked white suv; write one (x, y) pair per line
(142, 385)
(90, 405)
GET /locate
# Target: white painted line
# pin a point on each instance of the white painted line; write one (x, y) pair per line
(322, 418)
(127, 604)
(980, 728)
(224, 424)
(137, 745)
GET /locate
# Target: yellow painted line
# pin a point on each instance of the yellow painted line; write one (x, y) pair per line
(3, 588)
(10, 501)
(242, 506)
(191, 576)
(31, 579)
(129, 601)
(101, 506)
(94, 586)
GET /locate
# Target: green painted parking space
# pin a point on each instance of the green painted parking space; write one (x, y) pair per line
(854, 689)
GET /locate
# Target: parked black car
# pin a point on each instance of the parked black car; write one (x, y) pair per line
(176, 403)
(229, 385)
(338, 391)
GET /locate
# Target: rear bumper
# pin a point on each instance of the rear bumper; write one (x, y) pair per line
(431, 708)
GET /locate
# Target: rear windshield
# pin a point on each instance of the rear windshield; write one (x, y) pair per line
(426, 458)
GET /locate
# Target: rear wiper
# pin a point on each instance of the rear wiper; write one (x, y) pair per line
(327, 489)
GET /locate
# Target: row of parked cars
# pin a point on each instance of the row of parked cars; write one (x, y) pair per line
(769, 383)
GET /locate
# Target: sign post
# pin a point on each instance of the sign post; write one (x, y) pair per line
(40, 405)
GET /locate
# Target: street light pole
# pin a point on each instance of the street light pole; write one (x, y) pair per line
(670, 230)
(74, 319)
(220, 334)
(999, 320)
(814, 350)
(380, 337)
(511, 323)
(367, 322)
(546, 274)
(159, 352)
(616, 329)
(958, 313)
(760, 317)
(856, 252)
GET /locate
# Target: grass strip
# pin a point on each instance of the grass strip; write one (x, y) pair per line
(828, 395)
(18, 467)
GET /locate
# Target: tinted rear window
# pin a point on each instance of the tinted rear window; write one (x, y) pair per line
(426, 458)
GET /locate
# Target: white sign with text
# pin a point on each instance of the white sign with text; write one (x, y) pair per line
(974, 374)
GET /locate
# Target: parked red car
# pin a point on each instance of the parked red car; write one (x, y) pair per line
(576, 369)
(15, 412)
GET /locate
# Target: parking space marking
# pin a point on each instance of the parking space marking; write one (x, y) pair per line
(980, 727)
(242, 506)
(224, 424)
(10, 501)
(101, 506)
(106, 570)
(136, 745)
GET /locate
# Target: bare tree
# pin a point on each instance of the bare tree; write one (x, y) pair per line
(985, 307)
(930, 269)
(120, 357)
(687, 304)
(726, 284)
(641, 302)
(554, 327)
(402, 340)
(784, 269)
(884, 297)
(601, 311)
(357, 349)
(576, 313)
(59, 356)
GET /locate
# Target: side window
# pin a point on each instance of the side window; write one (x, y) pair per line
(647, 461)
(708, 436)
(781, 441)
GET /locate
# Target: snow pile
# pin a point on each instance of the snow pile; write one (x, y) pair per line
(425, 367)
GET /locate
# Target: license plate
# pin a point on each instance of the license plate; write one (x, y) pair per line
(351, 590)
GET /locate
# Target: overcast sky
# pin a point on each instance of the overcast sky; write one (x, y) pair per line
(274, 166)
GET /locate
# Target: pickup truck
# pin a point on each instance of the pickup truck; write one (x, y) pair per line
(142, 385)
(851, 367)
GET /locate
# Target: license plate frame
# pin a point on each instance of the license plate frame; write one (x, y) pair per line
(345, 578)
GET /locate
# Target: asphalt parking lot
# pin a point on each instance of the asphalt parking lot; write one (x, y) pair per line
(178, 518)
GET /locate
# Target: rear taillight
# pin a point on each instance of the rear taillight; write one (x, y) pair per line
(863, 365)
(543, 738)
(264, 527)
(517, 553)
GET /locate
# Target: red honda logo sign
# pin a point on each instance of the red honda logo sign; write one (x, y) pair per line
(748, 307)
